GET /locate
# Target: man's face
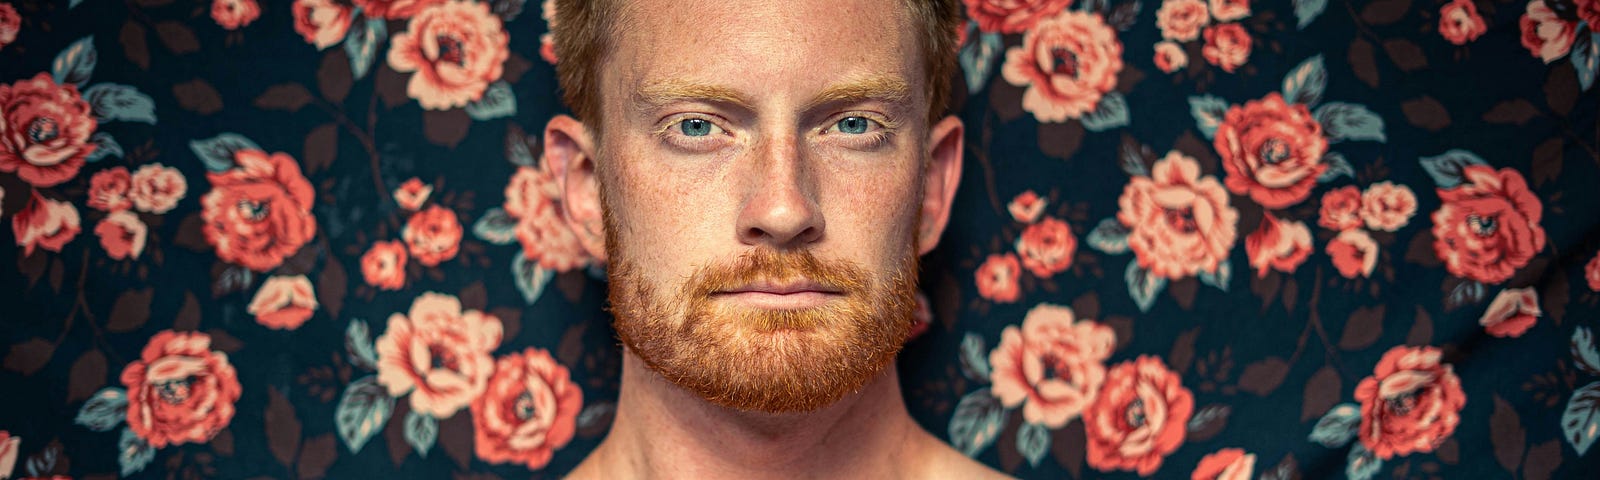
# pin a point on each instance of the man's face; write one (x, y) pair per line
(761, 173)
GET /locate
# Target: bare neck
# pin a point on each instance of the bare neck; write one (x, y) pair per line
(662, 431)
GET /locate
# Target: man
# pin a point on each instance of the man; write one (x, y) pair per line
(760, 177)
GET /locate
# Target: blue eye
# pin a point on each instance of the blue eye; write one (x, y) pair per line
(854, 125)
(695, 127)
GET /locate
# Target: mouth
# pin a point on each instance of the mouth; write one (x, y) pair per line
(792, 295)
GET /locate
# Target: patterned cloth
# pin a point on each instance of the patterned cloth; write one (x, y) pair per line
(1203, 238)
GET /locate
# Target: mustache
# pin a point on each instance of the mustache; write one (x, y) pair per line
(767, 264)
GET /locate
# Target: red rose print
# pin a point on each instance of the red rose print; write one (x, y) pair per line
(1460, 23)
(46, 224)
(1140, 417)
(1271, 150)
(1046, 248)
(1512, 312)
(9, 445)
(1053, 366)
(433, 235)
(1012, 16)
(258, 213)
(997, 278)
(1591, 273)
(1278, 245)
(527, 412)
(233, 14)
(44, 130)
(1226, 464)
(1230, 10)
(108, 190)
(10, 24)
(1589, 11)
(1067, 62)
(1180, 223)
(323, 23)
(393, 9)
(1181, 20)
(921, 317)
(1488, 226)
(533, 197)
(179, 391)
(1386, 206)
(547, 42)
(1027, 207)
(122, 234)
(1354, 253)
(284, 302)
(157, 188)
(412, 194)
(1341, 209)
(384, 265)
(438, 353)
(1411, 402)
(1227, 46)
(1170, 57)
(1545, 34)
(455, 48)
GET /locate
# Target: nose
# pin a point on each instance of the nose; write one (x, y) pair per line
(780, 210)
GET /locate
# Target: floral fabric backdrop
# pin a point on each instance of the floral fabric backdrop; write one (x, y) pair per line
(1195, 238)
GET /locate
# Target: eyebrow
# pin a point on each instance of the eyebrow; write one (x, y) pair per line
(656, 95)
(889, 90)
(878, 88)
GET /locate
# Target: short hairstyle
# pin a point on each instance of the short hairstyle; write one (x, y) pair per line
(582, 34)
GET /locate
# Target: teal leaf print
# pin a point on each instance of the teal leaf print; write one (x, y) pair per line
(1581, 421)
(1207, 111)
(1219, 277)
(1306, 82)
(1446, 168)
(496, 227)
(530, 278)
(104, 146)
(593, 414)
(518, 149)
(1362, 464)
(1111, 112)
(74, 64)
(1583, 351)
(111, 101)
(362, 412)
(1338, 166)
(507, 10)
(1109, 237)
(1033, 441)
(217, 152)
(977, 422)
(1338, 426)
(361, 44)
(104, 410)
(133, 453)
(358, 342)
(978, 58)
(1586, 58)
(1307, 10)
(1133, 156)
(1349, 121)
(422, 430)
(498, 101)
(974, 360)
(1143, 286)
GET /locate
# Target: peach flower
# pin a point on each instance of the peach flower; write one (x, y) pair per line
(45, 223)
(1545, 34)
(394, 9)
(1272, 150)
(533, 197)
(1411, 403)
(323, 23)
(1170, 57)
(1341, 209)
(1354, 253)
(1027, 207)
(258, 213)
(433, 235)
(1230, 10)
(1053, 367)
(157, 188)
(233, 14)
(10, 24)
(9, 445)
(1181, 20)
(438, 353)
(1180, 222)
(997, 278)
(1386, 206)
(1460, 23)
(1046, 248)
(1488, 226)
(1591, 273)
(44, 130)
(108, 190)
(1012, 16)
(1227, 46)
(179, 390)
(1140, 417)
(547, 41)
(1067, 61)
(384, 265)
(412, 194)
(1512, 312)
(1226, 464)
(455, 48)
(122, 234)
(1280, 245)
(528, 410)
(284, 302)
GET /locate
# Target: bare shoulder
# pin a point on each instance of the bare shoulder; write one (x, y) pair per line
(944, 462)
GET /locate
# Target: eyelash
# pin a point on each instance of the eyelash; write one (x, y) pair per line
(879, 134)
(671, 132)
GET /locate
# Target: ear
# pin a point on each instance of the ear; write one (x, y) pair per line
(569, 151)
(943, 175)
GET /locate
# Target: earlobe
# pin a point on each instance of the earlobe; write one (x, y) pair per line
(945, 141)
(569, 153)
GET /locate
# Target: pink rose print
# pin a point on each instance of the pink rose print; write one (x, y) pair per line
(1053, 367)
(1170, 57)
(9, 445)
(433, 235)
(1180, 223)
(384, 265)
(394, 9)
(258, 213)
(1591, 273)
(1027, 207)
(438, 353)
(412, 194)
(1460, 23)
(997, 278)
(1227, 46)
(1271, 150)
(10, 24)
(1139, 418)
(1512, 312)
(455, 48)
(284, 302)
(322, 23)
(45, 223)
(1546, 34)
(157, 188)
(1012, 16)
(1341, 209)
(1354, 253)
(1067, 62)
(1278, 245)
(1230, 10)
(1386, 206)
(44, 130)
(1226, 464)
(233, 14)
(1411, 403)
(528, 410)
(122, 234)
(179, 390)
(108, 190)
(1046, 248)
(533, 197)
(1488, 226)
(1181, 20)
